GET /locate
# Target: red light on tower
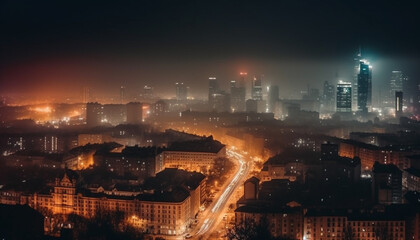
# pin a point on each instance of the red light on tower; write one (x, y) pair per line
(243, 73)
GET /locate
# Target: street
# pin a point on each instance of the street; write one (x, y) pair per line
(215, 212)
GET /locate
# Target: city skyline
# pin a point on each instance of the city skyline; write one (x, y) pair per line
(205, 120)
(142, 50)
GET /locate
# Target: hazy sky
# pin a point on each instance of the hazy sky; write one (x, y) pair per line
(57, 47)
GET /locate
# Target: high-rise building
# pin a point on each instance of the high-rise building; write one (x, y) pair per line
(400, 82)
(364, 87)
(220, 102)
(134, 112)
(94, 113)
(344, 97)
(396, 82)
(328, 97)
(213, 91)
(86, 95)
(113, 114)
(257, 90)
(273, 97)
(181, 91)
(237, 93)
(213, 86)
(147, 93)
(398, 103)
(356, 71)
(122, 94)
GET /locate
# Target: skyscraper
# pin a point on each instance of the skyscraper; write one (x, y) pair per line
(213, 90)
(181, 91)
(364, 87)
(395, 84)
(273, 96)
(134, 112)
(237, 93)
(86, 95)
(356, 72)
(344, 96)
(122, 94)
(94, 113)
(398, 103)
(257, 91)
(328, 97)
(220, 102)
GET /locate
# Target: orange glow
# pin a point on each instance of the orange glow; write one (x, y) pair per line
(46, 109)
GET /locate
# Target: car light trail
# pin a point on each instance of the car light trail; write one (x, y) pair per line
(224, 197)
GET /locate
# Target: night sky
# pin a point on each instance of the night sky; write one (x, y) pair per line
(54, 48)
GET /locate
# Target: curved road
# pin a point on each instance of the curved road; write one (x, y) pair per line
(215, 212)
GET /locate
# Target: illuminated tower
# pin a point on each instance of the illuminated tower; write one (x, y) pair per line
(398, 103)
(86, 95)
(328, 97)
(213, 90)
(237, 93)
(364, 87)
(181, 91)
(395, 84)
(344, 97)
(356, 71)
(213, 86)
(122, 93)
(257, 91)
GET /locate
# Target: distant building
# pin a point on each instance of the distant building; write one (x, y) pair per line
(273, 97)
(213, 89)
(181, 91)
(395, 85)
(86, 95)
(147, 93)
(94, 112)
(356, 71)
(398, 103)
(364, 87)
(134, 113)
(312, 167)
(142, 162)
(386, 184)
(220, 102)
(369, 154)
(196, 155)
(328, 97)
(237, 95)
(159, 108)
(252, 105)
(411, 179)
(114, 114)
(344, 97)
(122, 94)
(257, 90)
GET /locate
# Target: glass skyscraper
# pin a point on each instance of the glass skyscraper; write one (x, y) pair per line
(344, 96)
(364, 87)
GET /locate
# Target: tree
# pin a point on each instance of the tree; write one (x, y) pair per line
(104, 225)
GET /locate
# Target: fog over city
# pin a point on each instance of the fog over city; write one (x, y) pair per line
(209, 120)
